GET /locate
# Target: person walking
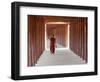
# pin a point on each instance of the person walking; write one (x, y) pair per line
(52, 44)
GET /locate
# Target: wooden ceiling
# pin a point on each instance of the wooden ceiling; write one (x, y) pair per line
(67, 19)
(60, 18)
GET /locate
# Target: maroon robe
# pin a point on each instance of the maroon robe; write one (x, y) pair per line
(52, 45)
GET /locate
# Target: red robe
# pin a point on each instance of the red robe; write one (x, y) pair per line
(52, 45)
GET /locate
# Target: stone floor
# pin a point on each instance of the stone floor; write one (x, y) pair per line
(61, 57)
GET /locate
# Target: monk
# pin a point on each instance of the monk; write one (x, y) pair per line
(52, 44)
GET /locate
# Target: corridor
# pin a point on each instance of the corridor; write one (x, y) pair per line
(70, 34)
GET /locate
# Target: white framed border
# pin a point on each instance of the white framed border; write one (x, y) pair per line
(24, 70)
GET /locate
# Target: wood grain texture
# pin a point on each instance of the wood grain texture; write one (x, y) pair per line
(78, 37)
(35, 39)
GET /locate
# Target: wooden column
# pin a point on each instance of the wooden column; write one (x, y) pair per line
(78, 37)
(36, 33)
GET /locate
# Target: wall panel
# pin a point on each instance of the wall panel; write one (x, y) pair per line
(78, 37)
(35, 38)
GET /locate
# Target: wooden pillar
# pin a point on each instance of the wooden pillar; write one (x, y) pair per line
(78, 37)
(35, 38)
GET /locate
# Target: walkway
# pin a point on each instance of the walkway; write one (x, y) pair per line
(61, 57)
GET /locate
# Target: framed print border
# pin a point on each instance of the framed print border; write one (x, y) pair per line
(15, 40)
